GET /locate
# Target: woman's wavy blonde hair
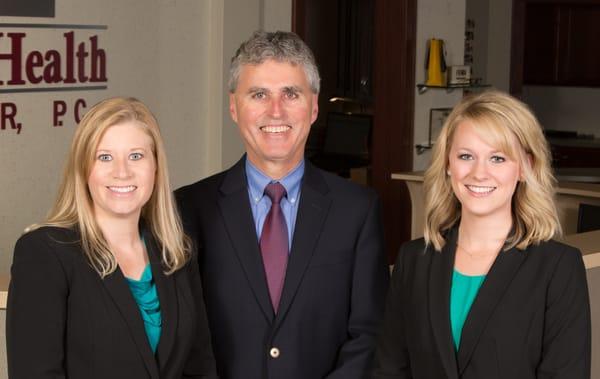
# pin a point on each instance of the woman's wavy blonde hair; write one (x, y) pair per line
(499, 119)
(74, 208)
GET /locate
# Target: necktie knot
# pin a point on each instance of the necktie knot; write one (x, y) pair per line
(275, 191)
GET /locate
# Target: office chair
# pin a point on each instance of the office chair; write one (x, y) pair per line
(589, 218)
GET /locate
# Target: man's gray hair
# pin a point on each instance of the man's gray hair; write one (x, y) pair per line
(279, 46)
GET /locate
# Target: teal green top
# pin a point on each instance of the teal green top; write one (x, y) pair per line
(462, 294)
(146, 297)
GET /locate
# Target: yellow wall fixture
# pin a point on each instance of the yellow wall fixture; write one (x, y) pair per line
(435, 63)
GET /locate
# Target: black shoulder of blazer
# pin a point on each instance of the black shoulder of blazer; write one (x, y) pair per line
(64, 320)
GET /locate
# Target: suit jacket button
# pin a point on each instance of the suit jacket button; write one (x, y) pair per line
(274, 352)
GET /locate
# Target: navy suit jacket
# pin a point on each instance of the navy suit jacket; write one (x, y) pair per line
(64, 321)
(335, 283)
(530, 319)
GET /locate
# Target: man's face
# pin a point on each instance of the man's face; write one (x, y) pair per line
(274, 109)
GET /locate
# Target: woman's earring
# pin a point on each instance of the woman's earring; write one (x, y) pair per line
(448, 172)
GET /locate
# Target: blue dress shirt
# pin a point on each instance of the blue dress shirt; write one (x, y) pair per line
(261, 204)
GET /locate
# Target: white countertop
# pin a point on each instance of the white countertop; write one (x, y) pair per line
(4, 280)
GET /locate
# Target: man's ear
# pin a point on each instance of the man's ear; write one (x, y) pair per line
(233, 107)
(315, 108)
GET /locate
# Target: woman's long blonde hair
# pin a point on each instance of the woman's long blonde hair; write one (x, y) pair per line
(74, 208)
(499, 119)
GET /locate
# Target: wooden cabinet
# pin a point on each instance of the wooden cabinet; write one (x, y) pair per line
(561, 42)
(572, 156)
(541, 38)
(583, 58)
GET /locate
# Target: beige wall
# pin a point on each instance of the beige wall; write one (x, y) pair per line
(499, 31)
(491, 47)
(478, 11)
(172, 54)
(30, 163)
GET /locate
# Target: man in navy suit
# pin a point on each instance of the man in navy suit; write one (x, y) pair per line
(294, 283)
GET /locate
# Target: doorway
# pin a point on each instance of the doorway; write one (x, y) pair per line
(365, 50)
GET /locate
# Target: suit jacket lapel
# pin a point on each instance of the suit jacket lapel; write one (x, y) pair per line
(312, 211)
(493, 288)
(167, 296)
(440, 280)
(237, 215)
(118, 289)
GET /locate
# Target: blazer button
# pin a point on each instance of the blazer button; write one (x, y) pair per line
(274, 352)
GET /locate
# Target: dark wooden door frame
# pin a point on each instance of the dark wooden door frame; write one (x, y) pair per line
(517, 48)
(393, 118)
(394, 89)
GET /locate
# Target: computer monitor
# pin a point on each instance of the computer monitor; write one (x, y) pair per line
(348, 135)
(589, 218)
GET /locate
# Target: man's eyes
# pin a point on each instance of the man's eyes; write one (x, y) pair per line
(291, 95)
(287, 94)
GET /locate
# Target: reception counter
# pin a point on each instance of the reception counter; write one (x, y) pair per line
(4, 279)
(589, 244)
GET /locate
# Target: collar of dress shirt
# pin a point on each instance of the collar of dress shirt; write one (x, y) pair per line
(257, 181)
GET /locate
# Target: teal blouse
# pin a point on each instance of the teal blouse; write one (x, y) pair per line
(462, 294)
(146, 297)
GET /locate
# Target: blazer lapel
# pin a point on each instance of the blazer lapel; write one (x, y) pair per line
(312, 211)
(118, 289)
(237, 215)
(167, 296)
(440, 280)
(493, 288)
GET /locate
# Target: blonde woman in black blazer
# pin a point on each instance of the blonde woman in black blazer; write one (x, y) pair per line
(107, 286)
(487, 293)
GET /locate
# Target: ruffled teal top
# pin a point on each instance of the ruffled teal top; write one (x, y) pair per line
(146, 297)
(462, 294)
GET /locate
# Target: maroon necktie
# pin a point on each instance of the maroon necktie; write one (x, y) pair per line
(274, 243)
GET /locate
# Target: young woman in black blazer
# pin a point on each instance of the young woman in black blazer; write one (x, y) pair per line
(487, 293)
(107, 286)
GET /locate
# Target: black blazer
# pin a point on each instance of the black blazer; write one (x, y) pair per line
(64, 321)
(335, 285)
(530, 319)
